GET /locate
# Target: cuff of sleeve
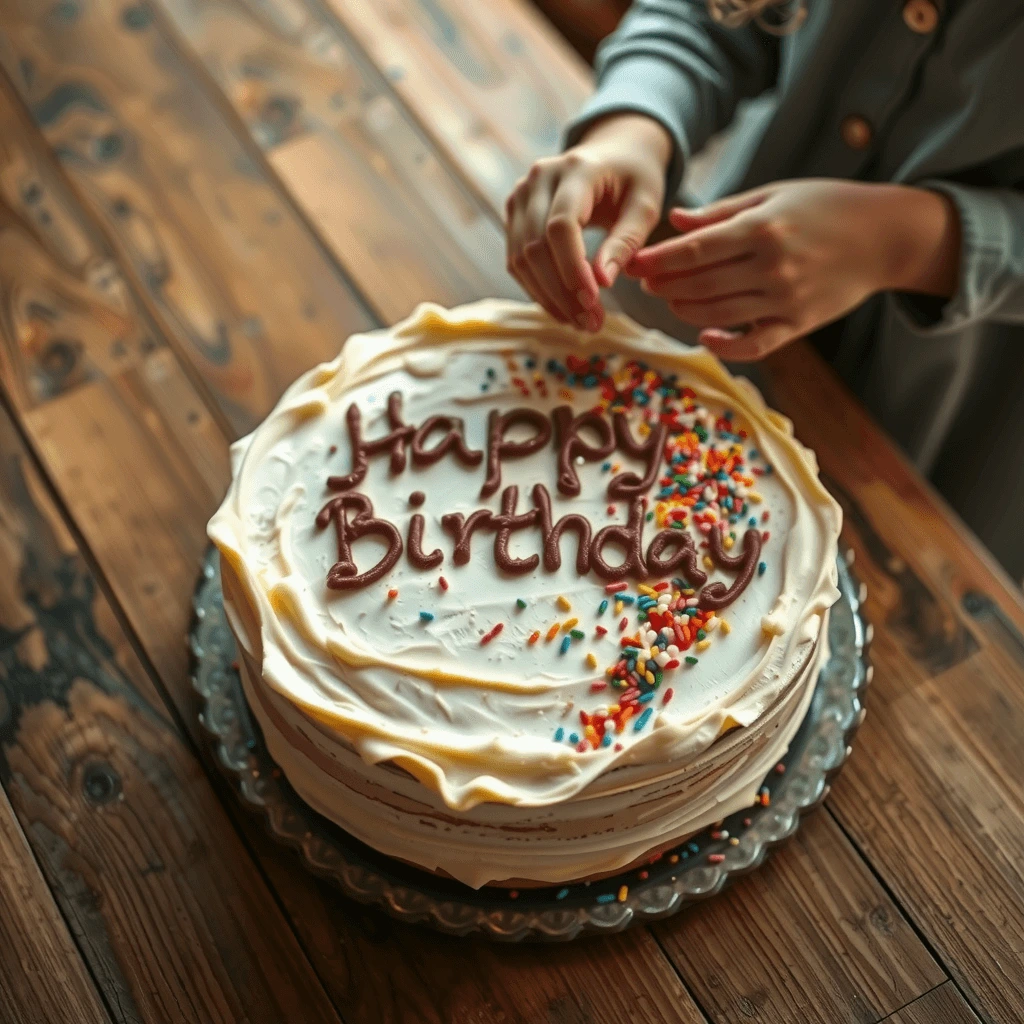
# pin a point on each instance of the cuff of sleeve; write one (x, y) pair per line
(641, 85)
(984, 246)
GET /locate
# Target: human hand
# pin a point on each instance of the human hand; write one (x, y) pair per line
(756, 270)
(613, 178)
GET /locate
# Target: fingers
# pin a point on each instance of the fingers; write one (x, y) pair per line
(737, 346)
(727, 240)
(683, 219)
(571, 207)
(741, 308)
(739, 275)
(636, 221)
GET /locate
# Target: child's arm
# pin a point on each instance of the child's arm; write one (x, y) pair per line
(787, 258)
(669, 78)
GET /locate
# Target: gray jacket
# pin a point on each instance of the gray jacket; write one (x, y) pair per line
(924, 93)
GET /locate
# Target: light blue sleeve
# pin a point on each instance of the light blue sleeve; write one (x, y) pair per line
(670, 60)
(991, 285)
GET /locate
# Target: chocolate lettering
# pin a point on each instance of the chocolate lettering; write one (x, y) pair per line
(553, 534)
(453, 440)
(417, 558)
(363, 449)
(344, 575)
(715, 595)
(629, 537)
(571, 445)
(462, 530)
(629, 485)
(506, 523)
(684, 557)
(498, 448)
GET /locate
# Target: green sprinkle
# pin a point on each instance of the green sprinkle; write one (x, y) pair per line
(691, 660)
(701, 634)
(520, 603)
(602, 607)
(649, 516)
(577, 634)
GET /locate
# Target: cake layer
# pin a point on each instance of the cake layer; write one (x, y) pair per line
(510, 575)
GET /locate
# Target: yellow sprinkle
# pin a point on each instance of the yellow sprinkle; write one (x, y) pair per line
(754, 497)
(569, 623)
(771, 627)
(646, 590)
(726, 628)
(728, 543)
(689, 592)
(552, 632)
(564, 603)
(649, 676)
(623, 893)
(703, 645)
(708, 563)
(566, 394)
(644, 429)
(613, 709)
(618, 607)
(616, 467)
(590, 732)
(512, 365)
(609, 670)
(673, 858)
(591, 660)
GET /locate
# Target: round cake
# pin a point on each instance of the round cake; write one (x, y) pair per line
(522, 605)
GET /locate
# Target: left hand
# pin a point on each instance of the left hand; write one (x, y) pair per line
(759, 269)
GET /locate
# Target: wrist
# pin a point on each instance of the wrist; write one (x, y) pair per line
(644, 133)
(923, 241)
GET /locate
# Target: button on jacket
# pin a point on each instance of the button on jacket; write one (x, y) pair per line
(925, 93)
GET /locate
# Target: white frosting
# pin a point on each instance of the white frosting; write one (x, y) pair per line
(391, 724)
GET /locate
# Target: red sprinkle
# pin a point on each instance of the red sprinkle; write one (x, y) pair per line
(672, 663)
(623, 623)
(488, 637)
(598, 687)
(668, 693)
(615, 588)
(766, 536)
(716, 858)
(765, 516)
(582, 747)
(513, 894)
(534, 637)
(660, 586)
(611, 510)
(600, 630)
(617, 747)
(442, 582)
(392, 594)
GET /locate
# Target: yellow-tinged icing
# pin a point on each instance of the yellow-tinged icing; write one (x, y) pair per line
(473, 724)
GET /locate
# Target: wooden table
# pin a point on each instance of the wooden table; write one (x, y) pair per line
(201, 199)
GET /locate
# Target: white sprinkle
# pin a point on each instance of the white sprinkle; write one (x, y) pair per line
(691, 602)
(580, 460)
(672, 651)
(651, 636)
(662, 659)
(712, 624)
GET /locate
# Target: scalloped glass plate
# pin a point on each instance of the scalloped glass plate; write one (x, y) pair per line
(695, 870)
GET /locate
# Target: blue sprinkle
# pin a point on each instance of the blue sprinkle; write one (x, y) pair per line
(606, 740)
(606, 897)
(427, 616)
(552, 366)
(590, 381)
(559, 734)
(605, 467)
(630, 652)
(753, 453)
(693, 847)
(561, 894)
(761, 568)
(642, 720)
(566, 640)
(646, 698)
(570, 379)
(626, 598)
(531, 363)
(490, 372)
(699, 506)
(752, 521)
(574, 738)
(602, 607)
(691, 611)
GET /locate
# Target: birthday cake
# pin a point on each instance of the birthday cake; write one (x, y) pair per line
(521, 605)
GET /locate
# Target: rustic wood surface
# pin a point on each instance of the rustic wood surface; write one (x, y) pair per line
(198, 200)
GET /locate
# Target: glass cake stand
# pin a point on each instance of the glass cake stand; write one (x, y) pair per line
(696, 869)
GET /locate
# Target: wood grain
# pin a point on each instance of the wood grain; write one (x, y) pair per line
(35, 944)
(141, 463)
(810, 936)
(353, 160)
(943, 1005)
(492, 84)
(168, 910)
(197, 224)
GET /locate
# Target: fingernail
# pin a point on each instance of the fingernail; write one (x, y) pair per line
(582, 320)
(586, 298)
(611, 271)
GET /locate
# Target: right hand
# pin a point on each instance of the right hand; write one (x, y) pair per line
(614, 178)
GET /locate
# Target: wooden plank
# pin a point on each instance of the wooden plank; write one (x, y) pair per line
(353, 160)
(943, 1005)
(35, 945)
(489, 81)
(172, 916)
(196, 223)
(141, 464)
(810, 936)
